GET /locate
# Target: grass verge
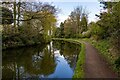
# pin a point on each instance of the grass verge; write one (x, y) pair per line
(79, 70)
(105, 49)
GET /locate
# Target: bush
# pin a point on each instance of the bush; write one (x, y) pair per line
(117, 64)
(86, 34)
(96, 31)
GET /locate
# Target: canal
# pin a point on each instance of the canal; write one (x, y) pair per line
(54, 60)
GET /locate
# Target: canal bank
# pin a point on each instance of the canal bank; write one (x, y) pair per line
(54, 60)
(20, 45)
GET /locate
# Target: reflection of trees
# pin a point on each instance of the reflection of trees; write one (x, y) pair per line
(8, 73)
(44, 65)
(56, 45)
(62, 47)
(69, 50)
(34, 60)
(9, 63)
(47, 63)
(66, 48)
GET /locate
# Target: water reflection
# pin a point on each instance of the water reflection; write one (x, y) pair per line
(55, 60)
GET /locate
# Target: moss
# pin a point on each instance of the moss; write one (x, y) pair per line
(79, 71)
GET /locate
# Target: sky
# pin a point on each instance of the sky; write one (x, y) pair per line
(66, 8)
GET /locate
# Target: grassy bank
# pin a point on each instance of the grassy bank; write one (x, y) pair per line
(105, 49)
(68, 40)
(79, 71)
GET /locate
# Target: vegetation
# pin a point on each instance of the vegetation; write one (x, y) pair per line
(27, 23)
(105, 33)
(109, 23)
(105, 50)
(79, 71)
(6, 13)
(74, 25)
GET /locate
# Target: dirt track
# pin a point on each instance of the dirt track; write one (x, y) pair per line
(95, 65)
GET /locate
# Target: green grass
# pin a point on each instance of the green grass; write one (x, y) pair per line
(68, 40)
(79, 70)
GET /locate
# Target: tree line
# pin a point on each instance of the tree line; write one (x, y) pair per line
(74, 25)
(26, 23)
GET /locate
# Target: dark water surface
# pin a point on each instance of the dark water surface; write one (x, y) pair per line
(54, 60)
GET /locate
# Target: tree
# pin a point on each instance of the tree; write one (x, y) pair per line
(14, 11)
(79, 16)
(111, 21)
(7, 17)
(76, 23)
(107, 5)
(69, 28)
(115, 32)
(83, 24)
(96, 31)
(57, 32)
(75, 16)
(105, 23)
(19, 6)
(62, 30)
(33, 22)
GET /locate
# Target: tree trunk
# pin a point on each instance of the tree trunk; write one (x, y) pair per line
(14, 10)
(19, 4)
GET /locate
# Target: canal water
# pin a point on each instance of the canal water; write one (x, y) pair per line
(54, 60)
